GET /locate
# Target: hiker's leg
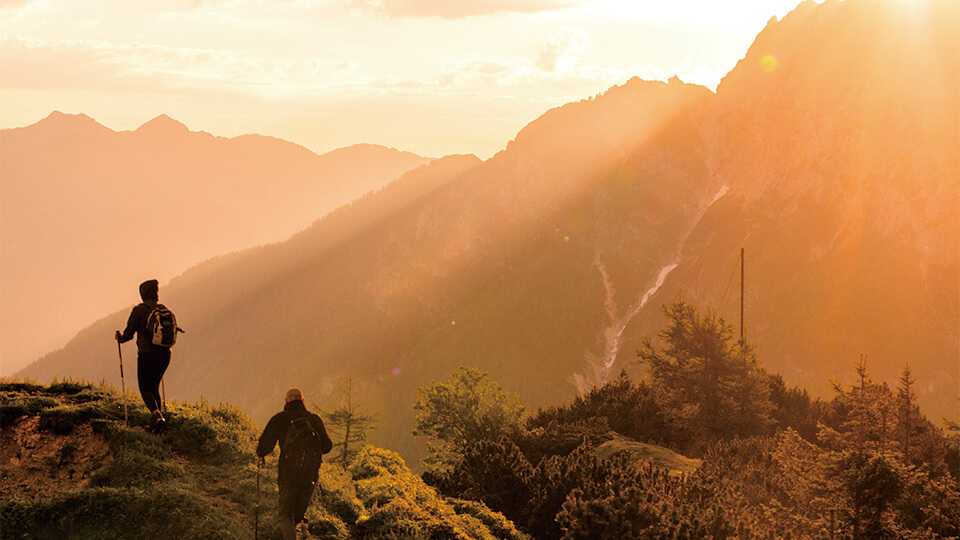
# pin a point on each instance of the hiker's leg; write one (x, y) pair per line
(288, 528)
(146, 375)
(163, 362)
(301, 500)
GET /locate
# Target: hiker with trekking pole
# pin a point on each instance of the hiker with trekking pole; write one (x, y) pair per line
(303, 440)
(156, 329)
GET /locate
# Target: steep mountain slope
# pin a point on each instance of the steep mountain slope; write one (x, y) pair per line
(87, 212)
(845, 191)
(499, 268)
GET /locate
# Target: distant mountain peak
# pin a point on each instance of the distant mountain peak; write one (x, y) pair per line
(66, 120)
(164, 125)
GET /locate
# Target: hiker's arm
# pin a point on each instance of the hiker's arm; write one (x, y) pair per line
(132, 325)
(326, 444)
(269, 438)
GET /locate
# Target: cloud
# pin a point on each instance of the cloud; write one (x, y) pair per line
(12, 3)
(456, 9)
(561, 55)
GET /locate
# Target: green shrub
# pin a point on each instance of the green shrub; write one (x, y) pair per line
(133, 469)
(25, 387)
(372, 461)
(338, 494)
(19, 406)
(495, 522)
(217, 435)
(326, 526)
(110, 513)
(123, 439)
(63, 419)
(67, 387)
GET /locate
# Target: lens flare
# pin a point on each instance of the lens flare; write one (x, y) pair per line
(769, 63)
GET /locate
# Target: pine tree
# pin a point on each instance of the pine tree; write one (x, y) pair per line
(708, 382)
(349, 424)
(906, 403)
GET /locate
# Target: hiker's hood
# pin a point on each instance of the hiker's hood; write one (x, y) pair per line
(296, 405)
(149, 290)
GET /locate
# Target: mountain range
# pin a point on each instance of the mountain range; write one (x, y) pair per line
(829, 154)
(88, 212)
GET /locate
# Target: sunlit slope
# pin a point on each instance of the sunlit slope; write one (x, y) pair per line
(498, 268)
(839, 135)
(88, 212)
(71, 468)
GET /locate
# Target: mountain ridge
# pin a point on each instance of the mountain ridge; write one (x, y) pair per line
(68, 169)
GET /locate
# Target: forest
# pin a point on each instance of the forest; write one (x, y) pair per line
(775, 462)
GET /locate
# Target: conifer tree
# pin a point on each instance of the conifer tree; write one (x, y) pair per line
(906, 403)
(349, 424)
(706, 380)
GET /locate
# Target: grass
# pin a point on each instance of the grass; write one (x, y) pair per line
(93, 476)
(658, 455)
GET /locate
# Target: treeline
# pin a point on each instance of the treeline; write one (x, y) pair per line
(776, 463)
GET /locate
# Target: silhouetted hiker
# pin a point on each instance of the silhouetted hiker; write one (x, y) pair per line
(156, 330)
(303, 441)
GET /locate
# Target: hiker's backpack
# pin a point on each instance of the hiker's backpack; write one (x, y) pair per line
(302, 448)
(162, 326)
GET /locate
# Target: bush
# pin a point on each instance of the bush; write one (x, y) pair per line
(109, 513)
(133, 469)
(215, 435)
(498, 525)
(20, 406)
(63, 419)
(398, 504)
(67, 387)
(625, 500)
(338, 494)
(326, 526)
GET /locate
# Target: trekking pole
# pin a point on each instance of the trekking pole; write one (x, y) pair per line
(163, 397)
(256, 507)
(123, 385)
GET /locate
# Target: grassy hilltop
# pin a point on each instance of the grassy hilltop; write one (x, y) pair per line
(70, 468)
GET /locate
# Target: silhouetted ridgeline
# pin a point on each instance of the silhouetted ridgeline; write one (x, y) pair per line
(90, 212)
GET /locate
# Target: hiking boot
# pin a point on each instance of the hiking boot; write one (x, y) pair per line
(158, 423)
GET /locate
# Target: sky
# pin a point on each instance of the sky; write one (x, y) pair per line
(434, 77)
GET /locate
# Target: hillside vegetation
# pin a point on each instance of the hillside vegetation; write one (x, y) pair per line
(71, 468)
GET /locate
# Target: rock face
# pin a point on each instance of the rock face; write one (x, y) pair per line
(88, 213)
(828, 153)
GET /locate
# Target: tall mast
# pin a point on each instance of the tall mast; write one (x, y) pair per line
(742, 342)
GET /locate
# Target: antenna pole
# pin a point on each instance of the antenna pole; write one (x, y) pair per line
(742, 342)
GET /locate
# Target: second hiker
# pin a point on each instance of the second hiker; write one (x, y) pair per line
(303, 441)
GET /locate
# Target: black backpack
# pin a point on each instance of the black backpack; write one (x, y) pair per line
(162, 326)
(302, 448)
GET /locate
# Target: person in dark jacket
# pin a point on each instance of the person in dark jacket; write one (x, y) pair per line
(296, 488)
(152, 360)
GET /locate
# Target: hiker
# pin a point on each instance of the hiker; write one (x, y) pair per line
(156, 330)
(303, 441)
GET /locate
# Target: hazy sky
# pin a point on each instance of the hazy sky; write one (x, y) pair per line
(430, 76)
